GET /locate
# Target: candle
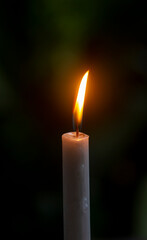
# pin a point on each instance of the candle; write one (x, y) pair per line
(75, 151)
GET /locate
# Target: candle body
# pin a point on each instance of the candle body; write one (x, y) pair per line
(76, 203)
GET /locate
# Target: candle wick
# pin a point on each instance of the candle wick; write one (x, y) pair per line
(77, 131)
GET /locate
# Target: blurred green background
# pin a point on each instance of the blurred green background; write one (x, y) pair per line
(45, 48)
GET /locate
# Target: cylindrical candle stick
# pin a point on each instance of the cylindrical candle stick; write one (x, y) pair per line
(76, 186)
(75, 152)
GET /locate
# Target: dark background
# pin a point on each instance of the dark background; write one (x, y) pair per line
(45, 48)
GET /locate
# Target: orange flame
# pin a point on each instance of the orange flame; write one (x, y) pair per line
(78, 108)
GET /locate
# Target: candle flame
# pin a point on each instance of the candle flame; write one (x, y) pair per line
(79, 104)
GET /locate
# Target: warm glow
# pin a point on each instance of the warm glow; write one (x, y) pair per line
(78, 108)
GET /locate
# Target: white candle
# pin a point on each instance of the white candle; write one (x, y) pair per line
(75, 151)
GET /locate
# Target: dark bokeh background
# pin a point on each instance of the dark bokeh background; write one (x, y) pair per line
(45, 48)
